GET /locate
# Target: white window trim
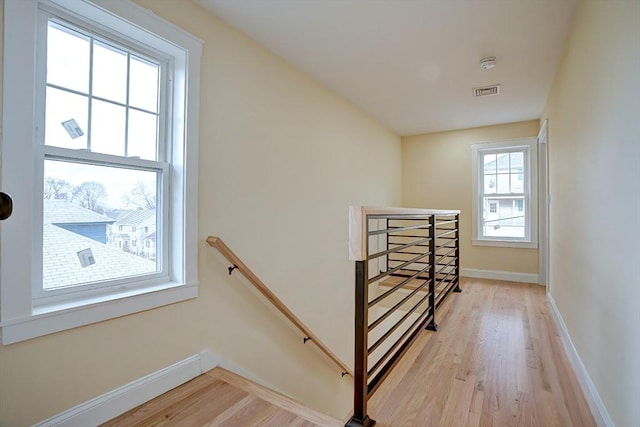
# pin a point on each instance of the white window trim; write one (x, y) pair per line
(19, 320)
(532, 188)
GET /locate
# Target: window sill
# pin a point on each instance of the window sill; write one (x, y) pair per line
(59, 317)
(505, 244)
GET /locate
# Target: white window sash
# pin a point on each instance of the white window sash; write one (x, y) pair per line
(529, 148)
(44, 152)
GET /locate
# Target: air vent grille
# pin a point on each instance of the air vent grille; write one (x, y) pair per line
(486, 91)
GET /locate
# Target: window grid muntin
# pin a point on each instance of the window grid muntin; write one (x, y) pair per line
(162, 64)
(496, 171)
(51, 152)
(484, 196)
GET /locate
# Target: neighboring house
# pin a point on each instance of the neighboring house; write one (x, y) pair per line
(148, 246)
(75, 218)
(135, 232)
(68, 231)
(116, 214)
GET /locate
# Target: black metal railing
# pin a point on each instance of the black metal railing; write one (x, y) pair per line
(407, 262)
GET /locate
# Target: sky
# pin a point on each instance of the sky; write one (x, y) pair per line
(117, 182)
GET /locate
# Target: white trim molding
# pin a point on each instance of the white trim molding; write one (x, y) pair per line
(122, 399)
(115, 402)
(509, 276)
(543, 203)
(504, 244)
(98, 309)
(596, 405)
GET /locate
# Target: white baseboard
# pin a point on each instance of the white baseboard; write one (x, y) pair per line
(499, 275)
(118, 401)
(598, 410)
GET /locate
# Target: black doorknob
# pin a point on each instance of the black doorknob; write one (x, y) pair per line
(6, 206)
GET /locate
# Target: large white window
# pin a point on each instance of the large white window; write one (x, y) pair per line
(103, 108)
(100, 152)
(504, 193)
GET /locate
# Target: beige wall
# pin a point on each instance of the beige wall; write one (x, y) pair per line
(436, 173)
(594, 148)
(281, 159)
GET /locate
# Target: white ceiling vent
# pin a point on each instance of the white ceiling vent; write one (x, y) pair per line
(486, 91)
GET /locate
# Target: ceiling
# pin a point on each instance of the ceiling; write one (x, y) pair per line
(412, 64)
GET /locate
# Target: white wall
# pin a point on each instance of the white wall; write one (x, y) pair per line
(594, 149)
(281, 159)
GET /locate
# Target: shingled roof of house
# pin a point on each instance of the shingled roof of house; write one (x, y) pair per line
(66, 212)
(137, 217)
(62, 268)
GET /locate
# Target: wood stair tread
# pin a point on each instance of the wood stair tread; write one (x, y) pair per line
(222, 398)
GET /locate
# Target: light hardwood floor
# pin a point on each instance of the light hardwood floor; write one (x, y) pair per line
(220, 398)
(496, 361)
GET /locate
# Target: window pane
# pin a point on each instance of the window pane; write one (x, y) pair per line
(503, 183)
(67, 58)
(61, 107)
(109, 72)
(143, 130)
(517, 183)
(107, 128)
(517, 162)
(503, 163)
(490, 182)
(91, 218)
(143, 87)
(489, 163)
(504, 217)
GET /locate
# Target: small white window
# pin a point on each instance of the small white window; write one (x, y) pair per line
(114, 87)
(504, 193)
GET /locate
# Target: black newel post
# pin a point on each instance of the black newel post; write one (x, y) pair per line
(360, 394)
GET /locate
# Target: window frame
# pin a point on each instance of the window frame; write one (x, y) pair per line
(529, 146)
(20, 318)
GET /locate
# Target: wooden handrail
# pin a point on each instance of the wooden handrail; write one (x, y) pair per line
(217, 243)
